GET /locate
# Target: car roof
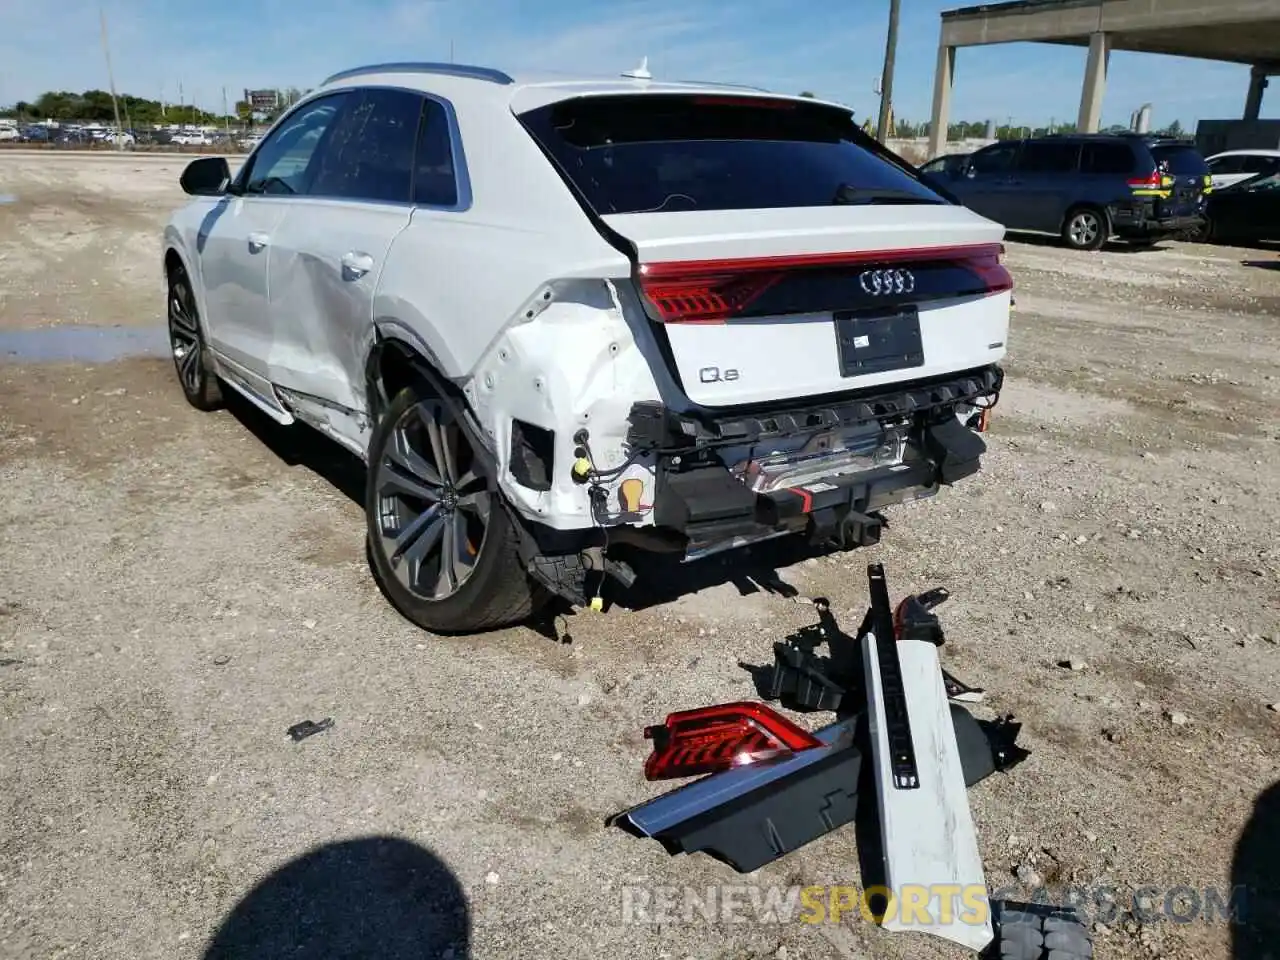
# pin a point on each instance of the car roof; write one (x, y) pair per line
(462, 83)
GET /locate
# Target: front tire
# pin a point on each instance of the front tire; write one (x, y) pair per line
(186, 340)
(441, 544)
(1085, 228)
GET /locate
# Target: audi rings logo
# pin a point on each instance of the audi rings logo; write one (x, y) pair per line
(880, 283)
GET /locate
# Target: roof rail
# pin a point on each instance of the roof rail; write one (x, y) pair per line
(442, 69)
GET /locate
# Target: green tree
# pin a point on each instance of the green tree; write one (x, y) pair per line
(807, 93)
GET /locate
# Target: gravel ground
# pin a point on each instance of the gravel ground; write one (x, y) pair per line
(177, 589)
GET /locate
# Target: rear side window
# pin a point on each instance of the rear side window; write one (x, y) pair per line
(1047, 156)
(1180, 160)
(435, 183)
(634, 154)
(1105, 157)
(369, 155)
(1226, 164)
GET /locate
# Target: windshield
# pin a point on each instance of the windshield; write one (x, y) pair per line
(1180, 160)
(661, 152)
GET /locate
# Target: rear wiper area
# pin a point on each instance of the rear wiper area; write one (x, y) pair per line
(848, 193)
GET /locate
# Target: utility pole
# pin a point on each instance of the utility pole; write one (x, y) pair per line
(111, 79)
(226, 117)
(886, 82)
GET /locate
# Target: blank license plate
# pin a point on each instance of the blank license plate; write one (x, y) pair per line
(879, 341)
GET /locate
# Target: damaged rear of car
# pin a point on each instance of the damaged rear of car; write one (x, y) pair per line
(822, 328)
(555, 316)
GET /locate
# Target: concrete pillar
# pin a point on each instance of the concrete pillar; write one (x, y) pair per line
(1257, 84)
(942, 80)
(1095, 84)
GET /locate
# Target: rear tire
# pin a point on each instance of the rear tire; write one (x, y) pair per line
(1202, 233)
(441, 544)
(186, 340)
(1085, 228)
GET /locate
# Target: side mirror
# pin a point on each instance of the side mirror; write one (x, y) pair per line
(206, 177)
(970, 171)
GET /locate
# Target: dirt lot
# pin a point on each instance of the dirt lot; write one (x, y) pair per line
(177, 589)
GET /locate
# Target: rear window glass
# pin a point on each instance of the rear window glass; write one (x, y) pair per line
(634, 154)
(1180, 160)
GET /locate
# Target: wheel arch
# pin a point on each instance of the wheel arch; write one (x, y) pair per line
(1078, 205)
(398, 357)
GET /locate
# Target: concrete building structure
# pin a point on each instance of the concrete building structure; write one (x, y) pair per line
(1236, 31)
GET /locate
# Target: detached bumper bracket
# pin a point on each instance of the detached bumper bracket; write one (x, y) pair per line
(749, 816)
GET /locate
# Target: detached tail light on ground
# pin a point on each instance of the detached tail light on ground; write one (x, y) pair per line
(710, 739)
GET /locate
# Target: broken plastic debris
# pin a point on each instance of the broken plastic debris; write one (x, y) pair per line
(309, 728)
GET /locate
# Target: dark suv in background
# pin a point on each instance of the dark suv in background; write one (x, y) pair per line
(1087, 188)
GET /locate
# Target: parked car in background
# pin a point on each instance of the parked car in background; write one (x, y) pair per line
(1087, 188)
(9, 133)
(1234, 166)
(34, 134)
(554, 315)
(1246, 211)
(946, 165)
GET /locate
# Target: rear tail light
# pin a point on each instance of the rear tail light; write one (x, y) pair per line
(710, 739)
(718, 290)
(1152, 181)
(708, 297)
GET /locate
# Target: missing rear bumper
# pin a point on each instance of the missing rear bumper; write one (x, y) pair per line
(729, 478)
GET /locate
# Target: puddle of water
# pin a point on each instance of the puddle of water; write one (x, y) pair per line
(8, 198)
(83, 344)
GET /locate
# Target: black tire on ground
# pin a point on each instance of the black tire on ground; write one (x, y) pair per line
(1085, 228)
(186, 341)
(426, 500)
(1035, 932)
(1202, 233)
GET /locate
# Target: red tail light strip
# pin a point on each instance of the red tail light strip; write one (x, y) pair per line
(712, 291)
(693, 742)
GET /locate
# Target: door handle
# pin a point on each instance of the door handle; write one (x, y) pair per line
(257, 242)
(355, 265)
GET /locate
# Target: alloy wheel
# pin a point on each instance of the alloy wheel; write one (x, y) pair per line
(433, 505)
(1084, 228)
(184, 336)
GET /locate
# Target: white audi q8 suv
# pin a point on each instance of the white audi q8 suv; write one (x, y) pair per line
(559, 315)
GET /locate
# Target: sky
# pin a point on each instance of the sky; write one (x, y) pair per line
(834, 48)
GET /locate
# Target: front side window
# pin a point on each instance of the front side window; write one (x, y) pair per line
(671, 153)
(1259, 164)
(369, 155)
(997, 159)
(282, 161)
